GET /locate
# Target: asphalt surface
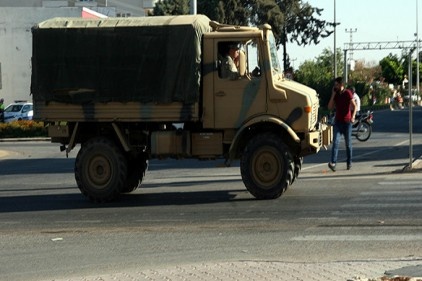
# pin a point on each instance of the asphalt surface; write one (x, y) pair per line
(409, 268)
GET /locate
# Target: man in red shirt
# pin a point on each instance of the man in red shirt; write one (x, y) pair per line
(342, 100)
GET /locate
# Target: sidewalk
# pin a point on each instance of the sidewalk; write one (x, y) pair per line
(370, 270)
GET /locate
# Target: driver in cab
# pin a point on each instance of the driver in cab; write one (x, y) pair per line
(230, 63)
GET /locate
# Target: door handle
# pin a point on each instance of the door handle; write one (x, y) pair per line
(220, 94)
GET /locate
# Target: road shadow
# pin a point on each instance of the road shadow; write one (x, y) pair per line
(36, 166)
(72, 201)
(66, 165)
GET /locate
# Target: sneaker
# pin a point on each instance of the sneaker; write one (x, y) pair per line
(332, 166)
(349, 166)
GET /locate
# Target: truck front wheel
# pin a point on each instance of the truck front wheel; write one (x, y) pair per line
(266, 166)
(100, 170)
(298, 161)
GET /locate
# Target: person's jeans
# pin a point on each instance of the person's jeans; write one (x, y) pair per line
(345, 129)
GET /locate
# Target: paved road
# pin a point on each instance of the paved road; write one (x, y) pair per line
(194, 220)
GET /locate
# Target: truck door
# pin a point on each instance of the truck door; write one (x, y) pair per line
(237, 98)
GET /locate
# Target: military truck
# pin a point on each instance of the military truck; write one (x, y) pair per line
(128, 90)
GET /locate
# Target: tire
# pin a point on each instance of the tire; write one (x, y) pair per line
(266, 166)
(100, 170)
(363, 131)
(298, 161)
(136, 171)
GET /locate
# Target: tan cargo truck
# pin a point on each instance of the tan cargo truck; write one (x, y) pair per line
(132, 89)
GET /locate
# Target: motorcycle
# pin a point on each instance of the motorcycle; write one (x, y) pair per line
(362, 127)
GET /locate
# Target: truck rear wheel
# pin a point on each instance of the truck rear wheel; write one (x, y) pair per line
(100, 170)
(266, 166)
(136, 170)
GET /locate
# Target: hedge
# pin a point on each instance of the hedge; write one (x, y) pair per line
(22, 129)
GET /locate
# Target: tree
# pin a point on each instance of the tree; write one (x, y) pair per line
(392, 69)
(171, 7)
(237, 12)
(292, 21)
(209, 8)
(318, 73)
(405, 65)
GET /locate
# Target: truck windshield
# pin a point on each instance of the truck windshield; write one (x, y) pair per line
(275, 63)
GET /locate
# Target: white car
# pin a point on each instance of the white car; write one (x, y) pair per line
(18, 111)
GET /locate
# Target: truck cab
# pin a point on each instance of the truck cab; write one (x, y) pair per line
(261, 94)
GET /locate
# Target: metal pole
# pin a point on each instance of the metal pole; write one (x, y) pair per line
(417, 50)
(335, 47)
(346, 74)
(410, 112)
(193, 10)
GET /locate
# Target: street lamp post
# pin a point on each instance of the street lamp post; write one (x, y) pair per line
(335, 47)
(417, 49)
(193, 7)
(410, 110)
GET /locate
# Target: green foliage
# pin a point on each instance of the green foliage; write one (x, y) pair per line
(237, 12)
(22, 129)
(392, 69)
(311, 75)
(383, 95)
(364, 74)
(209, 8)
(292, 21)
(171, 7)
(318, 74)
(362, 89)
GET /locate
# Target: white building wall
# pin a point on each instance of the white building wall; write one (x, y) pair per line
(16, 20)
(132, 8)
(16, 47)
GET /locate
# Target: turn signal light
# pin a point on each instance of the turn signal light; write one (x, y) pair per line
(308, 109)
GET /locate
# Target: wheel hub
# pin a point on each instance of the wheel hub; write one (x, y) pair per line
(99, 171)
(267, 168)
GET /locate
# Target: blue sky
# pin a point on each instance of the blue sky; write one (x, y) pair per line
(375, 21)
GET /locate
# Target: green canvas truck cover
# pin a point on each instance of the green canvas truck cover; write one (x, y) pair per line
(149, 59)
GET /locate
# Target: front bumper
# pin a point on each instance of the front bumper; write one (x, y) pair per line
(321, 137)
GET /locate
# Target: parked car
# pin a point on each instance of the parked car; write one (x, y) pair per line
(19, 110)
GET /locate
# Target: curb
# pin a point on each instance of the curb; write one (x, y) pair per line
(25, 139)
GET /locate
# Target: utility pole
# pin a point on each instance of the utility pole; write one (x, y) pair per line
(417, 50)
(193, 10)
(351, 31)
(335, 47)
(410, 109)
(349, 62)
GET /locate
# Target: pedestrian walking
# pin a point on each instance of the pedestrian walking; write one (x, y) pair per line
(345, 106)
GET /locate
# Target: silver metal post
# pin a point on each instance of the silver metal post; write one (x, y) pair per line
(410, 112)
(346, 74)
(193, 5)
(335, 47)
(417, 50)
